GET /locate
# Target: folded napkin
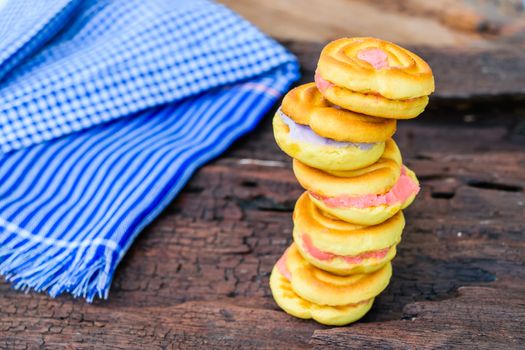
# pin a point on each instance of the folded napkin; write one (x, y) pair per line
(106, 109)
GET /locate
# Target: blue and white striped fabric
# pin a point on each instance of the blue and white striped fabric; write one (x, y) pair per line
(130, 97)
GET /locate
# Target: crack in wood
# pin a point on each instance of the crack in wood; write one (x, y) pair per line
(486, 185)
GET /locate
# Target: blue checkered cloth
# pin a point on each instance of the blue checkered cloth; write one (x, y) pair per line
(107, 107)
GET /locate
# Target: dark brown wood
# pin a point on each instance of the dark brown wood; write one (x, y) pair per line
(478, 317)
(198, 276)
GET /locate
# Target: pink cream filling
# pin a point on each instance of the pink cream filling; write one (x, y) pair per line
(376, 57)
(350, 259)
(321, 83)
(283, 269)
(402, 190)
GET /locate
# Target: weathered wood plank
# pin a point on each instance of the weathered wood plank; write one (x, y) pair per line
(477, 317)
(198, 325)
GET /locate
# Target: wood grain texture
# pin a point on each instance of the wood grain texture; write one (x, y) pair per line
(198, 276)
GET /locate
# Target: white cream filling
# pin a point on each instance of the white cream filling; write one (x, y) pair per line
(304, 133)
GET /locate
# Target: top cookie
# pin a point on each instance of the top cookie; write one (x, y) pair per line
(369, 65)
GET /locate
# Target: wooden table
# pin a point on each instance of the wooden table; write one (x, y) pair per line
(198, 276)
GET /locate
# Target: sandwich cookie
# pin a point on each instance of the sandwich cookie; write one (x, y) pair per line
(309, 128)
(366, 196)
(374, 77)
(341, 247)
(305, 291)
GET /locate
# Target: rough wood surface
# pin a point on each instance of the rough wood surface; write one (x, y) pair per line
(198, 276)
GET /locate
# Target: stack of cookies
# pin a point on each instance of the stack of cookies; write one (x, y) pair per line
(349, 220)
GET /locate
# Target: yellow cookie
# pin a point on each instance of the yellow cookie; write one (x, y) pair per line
(324, 288)
(305, 105)
(372, 65)
(325, 154)
(311, 129)
(305, 291)
(371, 103)
(294, 305)
(374, 77)
(366, 196)
(341, 247)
